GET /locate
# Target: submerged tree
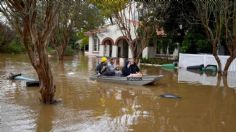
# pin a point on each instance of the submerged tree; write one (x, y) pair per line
(60, 38)
(73, 17)
(218, 19)
(210, 14)
(35, 21)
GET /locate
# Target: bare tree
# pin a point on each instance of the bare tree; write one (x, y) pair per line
(125, 19)
(74, 16)
(139, 21)
(35, 21)
(218, 17)
(230, 31)
(63, 30)
(211, 17)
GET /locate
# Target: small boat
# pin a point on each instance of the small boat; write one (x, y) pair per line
(144, 80)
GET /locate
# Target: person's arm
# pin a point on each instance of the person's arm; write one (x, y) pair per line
(111, 67)
(103, 68)
(98, 68)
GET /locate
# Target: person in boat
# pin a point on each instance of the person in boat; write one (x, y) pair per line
(103, 69)
(131, 69)
(111, 65)
(125, 69)
(114, 69)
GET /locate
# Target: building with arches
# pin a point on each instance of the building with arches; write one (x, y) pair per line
(110, 42)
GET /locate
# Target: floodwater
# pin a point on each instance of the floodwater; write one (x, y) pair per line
(207, 104)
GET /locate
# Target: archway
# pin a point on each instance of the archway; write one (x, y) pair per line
(123, 47)
(108, 42)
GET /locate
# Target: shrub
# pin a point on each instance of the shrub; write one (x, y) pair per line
(195, 43)
(13, 47)
(69, 51)
(51, 51)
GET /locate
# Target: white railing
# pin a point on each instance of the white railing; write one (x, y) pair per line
(186, 60)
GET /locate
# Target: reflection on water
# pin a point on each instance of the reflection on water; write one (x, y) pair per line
(205, 79)
(105, 107)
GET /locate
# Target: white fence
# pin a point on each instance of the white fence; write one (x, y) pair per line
(197, 59)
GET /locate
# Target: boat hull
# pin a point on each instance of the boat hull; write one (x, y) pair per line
(145, 80)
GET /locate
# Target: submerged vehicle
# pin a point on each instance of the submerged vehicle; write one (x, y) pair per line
(144, 80)
(29, 81)
(170, 96)
(196, 67)
(210, 68)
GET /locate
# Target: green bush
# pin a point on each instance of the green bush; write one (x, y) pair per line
(51, 51)
(13, 47)
(84, 42)
(69, 51)
(195, 43)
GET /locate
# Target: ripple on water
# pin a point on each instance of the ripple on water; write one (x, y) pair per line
(17, 118)
(95, 106)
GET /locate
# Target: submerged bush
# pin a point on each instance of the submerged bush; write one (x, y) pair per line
(13, 47)
(69, 51)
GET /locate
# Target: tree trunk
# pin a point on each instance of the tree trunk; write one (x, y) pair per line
(214, 50)
(47, 86)
(35, 35)
(39, 59)
(63, 45)
(225, 81)
(229, 61)
(218, 80)
(61, 53)
(234, 20)
(218, 63)
(41, 64)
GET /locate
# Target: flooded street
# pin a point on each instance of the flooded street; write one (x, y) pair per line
(207, 104)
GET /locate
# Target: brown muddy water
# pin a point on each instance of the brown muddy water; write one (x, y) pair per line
(207, 105)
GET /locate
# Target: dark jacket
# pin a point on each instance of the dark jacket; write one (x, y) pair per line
(132, 69)
(103, 69)
(125, 69)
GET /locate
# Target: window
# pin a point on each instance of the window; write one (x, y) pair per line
(96, 43)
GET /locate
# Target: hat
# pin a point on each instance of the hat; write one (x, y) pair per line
(103, 59)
